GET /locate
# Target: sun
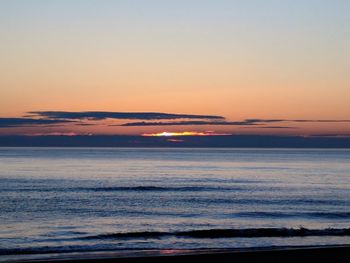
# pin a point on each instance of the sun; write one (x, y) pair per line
(184, 133)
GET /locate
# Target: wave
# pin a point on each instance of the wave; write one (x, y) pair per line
(209, 234)
(57, 249)
(327, 215)
(230, 233)
(130, 188)
(163, 189)
(151, 188)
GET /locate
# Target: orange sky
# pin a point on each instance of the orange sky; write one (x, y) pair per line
(235, 59)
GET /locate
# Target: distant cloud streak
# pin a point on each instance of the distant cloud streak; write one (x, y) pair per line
(180, 123)
(273, 127)
(102, 115)
(330, 121)
(21, 122)
(92, 118)
(247, 122)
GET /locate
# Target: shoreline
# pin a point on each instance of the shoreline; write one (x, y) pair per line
(329, 253)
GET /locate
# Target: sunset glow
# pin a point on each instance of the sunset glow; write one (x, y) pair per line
(228, 66)
(185, 133)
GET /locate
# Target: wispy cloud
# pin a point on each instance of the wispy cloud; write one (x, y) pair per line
(247, 122)
(264, 120)
(21, 122)
(93, 118)
(53, 134)
(180, 123)
(330, 121)
(273, 127)
(347, 135)
(102, 115)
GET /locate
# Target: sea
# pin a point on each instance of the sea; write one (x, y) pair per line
(59, 200)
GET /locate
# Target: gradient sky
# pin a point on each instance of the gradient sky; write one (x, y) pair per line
(262, 59)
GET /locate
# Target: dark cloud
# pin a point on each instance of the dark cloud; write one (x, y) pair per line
(291, 120)
(84, 124)
(272, 127)
(101, 115)
(319, 120)
(21, 122)
(179, 123)
(87, 118)
(330, 135)
(246, 122)
(278, 127)
(264, 120)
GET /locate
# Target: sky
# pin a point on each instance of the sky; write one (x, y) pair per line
(136, 67)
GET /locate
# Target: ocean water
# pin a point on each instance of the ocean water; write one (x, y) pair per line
(102, 199)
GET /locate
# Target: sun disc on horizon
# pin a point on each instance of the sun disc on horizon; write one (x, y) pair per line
(185, 133)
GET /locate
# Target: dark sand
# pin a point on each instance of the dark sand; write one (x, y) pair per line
(291, 254)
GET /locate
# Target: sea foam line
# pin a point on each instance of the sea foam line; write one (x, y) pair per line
(230, 233)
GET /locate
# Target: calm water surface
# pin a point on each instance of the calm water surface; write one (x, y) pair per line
(82, 199)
